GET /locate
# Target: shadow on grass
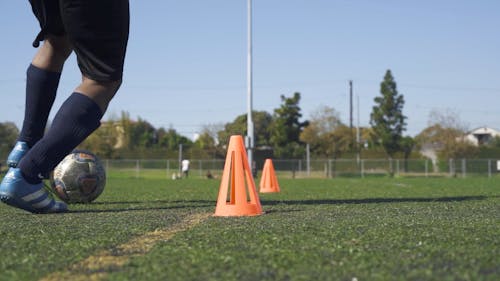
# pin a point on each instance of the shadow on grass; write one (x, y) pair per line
(153, 202)
(181, 204)
(267, 212)
(145, 206)
(371, 200)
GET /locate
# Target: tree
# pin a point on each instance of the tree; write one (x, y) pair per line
(124, 137)
(340, 141)
(171, 140)
(8, 137)
(495, 142)
(407, 145)
(104, 140)
(445, 135)
(320, 132)
(143, 134)
(213, 131)
(206, 145)
(262, 121)
(286, 128)
(387, 119)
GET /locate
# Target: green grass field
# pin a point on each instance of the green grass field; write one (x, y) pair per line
(331, 229)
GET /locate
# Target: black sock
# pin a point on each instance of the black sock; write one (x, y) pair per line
(41, 88)
(77, 118)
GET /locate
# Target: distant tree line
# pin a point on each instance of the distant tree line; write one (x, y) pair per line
(282, 134)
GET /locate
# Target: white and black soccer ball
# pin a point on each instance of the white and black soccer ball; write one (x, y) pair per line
(79, 178)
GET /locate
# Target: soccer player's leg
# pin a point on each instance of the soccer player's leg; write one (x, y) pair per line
(42, 80)
(100, 43)
(77, 118)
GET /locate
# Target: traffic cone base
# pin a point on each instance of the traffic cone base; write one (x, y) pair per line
(231, 210)
(269, 181)
(237, 183)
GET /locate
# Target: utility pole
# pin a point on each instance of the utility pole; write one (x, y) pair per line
(250, 129)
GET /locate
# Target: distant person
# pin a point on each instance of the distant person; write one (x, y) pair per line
(97, 31)
(185, 167)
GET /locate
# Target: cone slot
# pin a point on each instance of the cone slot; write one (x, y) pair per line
(230, 183)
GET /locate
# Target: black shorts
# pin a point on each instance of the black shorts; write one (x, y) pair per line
(97, 29)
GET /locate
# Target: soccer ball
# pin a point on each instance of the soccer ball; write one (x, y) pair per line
(79, 178)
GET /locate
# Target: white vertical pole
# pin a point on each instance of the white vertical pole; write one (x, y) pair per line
(426, 168)
(250, 129)
(308, 160)
(180, 158)
(358, 136)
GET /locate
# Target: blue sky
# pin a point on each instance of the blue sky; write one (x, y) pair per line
(186, 61)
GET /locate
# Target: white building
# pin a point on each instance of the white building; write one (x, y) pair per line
(482, 135)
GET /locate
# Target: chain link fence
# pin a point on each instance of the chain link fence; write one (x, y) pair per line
(325, 168)
(298, 168)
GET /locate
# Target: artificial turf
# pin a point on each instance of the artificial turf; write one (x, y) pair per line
(314, 229)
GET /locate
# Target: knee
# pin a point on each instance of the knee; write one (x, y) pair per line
(101, 86)
(110, 87)
(101, 92)
(115, 85)
(53, 53)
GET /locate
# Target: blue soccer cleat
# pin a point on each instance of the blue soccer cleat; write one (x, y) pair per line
(17, 192)
(19, 150)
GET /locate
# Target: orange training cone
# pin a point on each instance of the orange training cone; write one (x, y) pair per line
(269, 182)
(236, 178)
